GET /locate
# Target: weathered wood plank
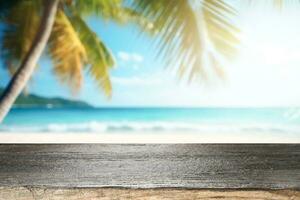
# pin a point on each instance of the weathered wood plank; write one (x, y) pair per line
(151, 165)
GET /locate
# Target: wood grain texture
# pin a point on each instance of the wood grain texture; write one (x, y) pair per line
(151, 166)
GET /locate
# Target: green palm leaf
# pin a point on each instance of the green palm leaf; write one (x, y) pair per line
(190, 33)
(100, 59)
(67, 52)
(22, 22)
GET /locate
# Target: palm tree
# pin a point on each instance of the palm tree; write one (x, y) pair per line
(192, 36)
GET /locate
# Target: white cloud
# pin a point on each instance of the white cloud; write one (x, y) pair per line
(130, 57)
(124, 56)
(136, 57)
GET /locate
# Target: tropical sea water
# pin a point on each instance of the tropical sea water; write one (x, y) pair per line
(142, 120)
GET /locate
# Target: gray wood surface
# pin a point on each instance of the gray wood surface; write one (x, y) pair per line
(151, 165)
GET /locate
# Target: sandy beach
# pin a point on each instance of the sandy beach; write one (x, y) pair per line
(25, 193)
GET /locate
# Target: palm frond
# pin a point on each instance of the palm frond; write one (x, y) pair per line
(221, 34)
(6, 6)
(189, 35)
(20, 26)
(67, 52)
(113, 10)
(278, 3)
(175, 23)
(99, 57)
(102, 8)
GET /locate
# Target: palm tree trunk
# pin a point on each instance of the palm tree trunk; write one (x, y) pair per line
(26, 69)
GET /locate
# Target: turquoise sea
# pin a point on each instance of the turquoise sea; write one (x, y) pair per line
(127, 120)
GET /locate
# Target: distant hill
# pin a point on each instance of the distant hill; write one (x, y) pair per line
(32, 100)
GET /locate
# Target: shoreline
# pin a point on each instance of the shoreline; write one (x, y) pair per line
(146, 137)
(28, 193)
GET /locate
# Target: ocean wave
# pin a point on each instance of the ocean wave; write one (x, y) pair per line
(127, 127)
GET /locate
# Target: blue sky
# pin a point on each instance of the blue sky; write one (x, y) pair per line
(265, 72)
